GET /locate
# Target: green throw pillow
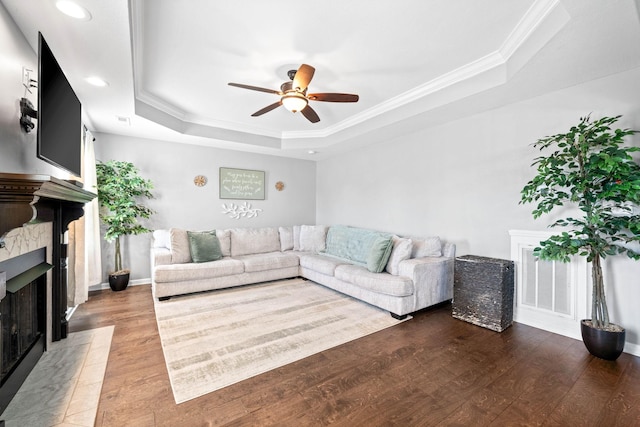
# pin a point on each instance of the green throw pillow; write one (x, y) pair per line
(379, 254)
(204, 246)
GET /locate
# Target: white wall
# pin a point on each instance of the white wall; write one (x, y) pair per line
(462, 180)
(171, 167)
(17, 148)
(179, 203)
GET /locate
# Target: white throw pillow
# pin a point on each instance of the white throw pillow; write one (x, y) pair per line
(180, 252)
(313, 237)
(286, 238)
(296, 237)
(402, 249)
(428, 246)
(162, 239)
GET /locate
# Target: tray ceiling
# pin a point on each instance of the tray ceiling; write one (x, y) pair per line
(168, 63)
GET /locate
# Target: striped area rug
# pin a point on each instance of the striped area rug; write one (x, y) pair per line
(214, 339)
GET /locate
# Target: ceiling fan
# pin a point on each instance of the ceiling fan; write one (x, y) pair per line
(294, 97)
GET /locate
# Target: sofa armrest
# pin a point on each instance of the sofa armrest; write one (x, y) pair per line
(160, 256)
(432, 279)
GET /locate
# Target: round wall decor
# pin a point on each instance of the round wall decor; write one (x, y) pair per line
(279, 185)
(200, 180)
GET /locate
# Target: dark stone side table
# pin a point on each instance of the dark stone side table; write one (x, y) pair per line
(483, 291)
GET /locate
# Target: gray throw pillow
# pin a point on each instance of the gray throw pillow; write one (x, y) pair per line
(379, 254)
(204, 246)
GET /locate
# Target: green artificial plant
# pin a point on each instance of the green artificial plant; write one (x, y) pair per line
(120, 187)
(589, 167)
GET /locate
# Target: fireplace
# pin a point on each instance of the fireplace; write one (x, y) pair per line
(22, 317)
(35, 212)
(22, 324)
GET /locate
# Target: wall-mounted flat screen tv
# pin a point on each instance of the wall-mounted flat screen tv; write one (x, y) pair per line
(59, 115)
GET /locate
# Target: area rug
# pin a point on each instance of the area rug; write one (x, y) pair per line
(215, 339)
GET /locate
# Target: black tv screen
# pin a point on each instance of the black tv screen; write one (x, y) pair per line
(59, 115)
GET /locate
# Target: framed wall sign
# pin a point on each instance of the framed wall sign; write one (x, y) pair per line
(241, 184)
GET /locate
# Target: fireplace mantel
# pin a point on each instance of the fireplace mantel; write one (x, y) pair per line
(32, 198)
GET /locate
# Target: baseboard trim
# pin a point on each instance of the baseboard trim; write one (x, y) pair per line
(632, 349)
(105, 285)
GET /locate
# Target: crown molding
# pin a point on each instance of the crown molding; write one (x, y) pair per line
(537, 26)
(530, 22)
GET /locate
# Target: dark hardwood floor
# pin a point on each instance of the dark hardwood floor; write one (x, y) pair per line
(431, 370)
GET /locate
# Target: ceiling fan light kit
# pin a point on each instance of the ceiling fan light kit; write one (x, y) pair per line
(293, 94)
(294, 101)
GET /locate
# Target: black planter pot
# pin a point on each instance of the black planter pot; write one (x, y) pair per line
(606, 345)
(119, 282)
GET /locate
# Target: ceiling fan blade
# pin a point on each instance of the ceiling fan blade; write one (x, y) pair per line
(267, 109)
(259, 89)
(310, 114)
(303, 77)
(334, 97)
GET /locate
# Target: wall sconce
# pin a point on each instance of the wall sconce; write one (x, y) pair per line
(27, 112)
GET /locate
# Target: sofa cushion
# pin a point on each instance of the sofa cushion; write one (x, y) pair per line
(320, 263)
(180, 253)
(367, 248)
(401, 250)
(268, 261)
(204, 246)
(383, 283)
(224, 236)
(426, 246)
(313, 238)
(286, 238)
(246, 241)
(197, 271)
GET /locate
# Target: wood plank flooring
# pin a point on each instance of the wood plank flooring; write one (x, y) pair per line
(433, 370)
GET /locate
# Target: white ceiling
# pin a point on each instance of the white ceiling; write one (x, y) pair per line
(414, 63)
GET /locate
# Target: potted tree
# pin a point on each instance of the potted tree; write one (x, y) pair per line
(589, 168)
(119, 188)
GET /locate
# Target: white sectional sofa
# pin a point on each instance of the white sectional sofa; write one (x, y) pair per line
(398, 274)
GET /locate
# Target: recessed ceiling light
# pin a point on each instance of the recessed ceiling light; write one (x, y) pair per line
(311, 152)
(73, 10)
(96, 81)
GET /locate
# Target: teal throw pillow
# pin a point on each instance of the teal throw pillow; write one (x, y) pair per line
(379, 254)
(204, 246)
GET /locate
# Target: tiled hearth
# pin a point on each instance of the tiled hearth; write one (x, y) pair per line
(63, 390)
